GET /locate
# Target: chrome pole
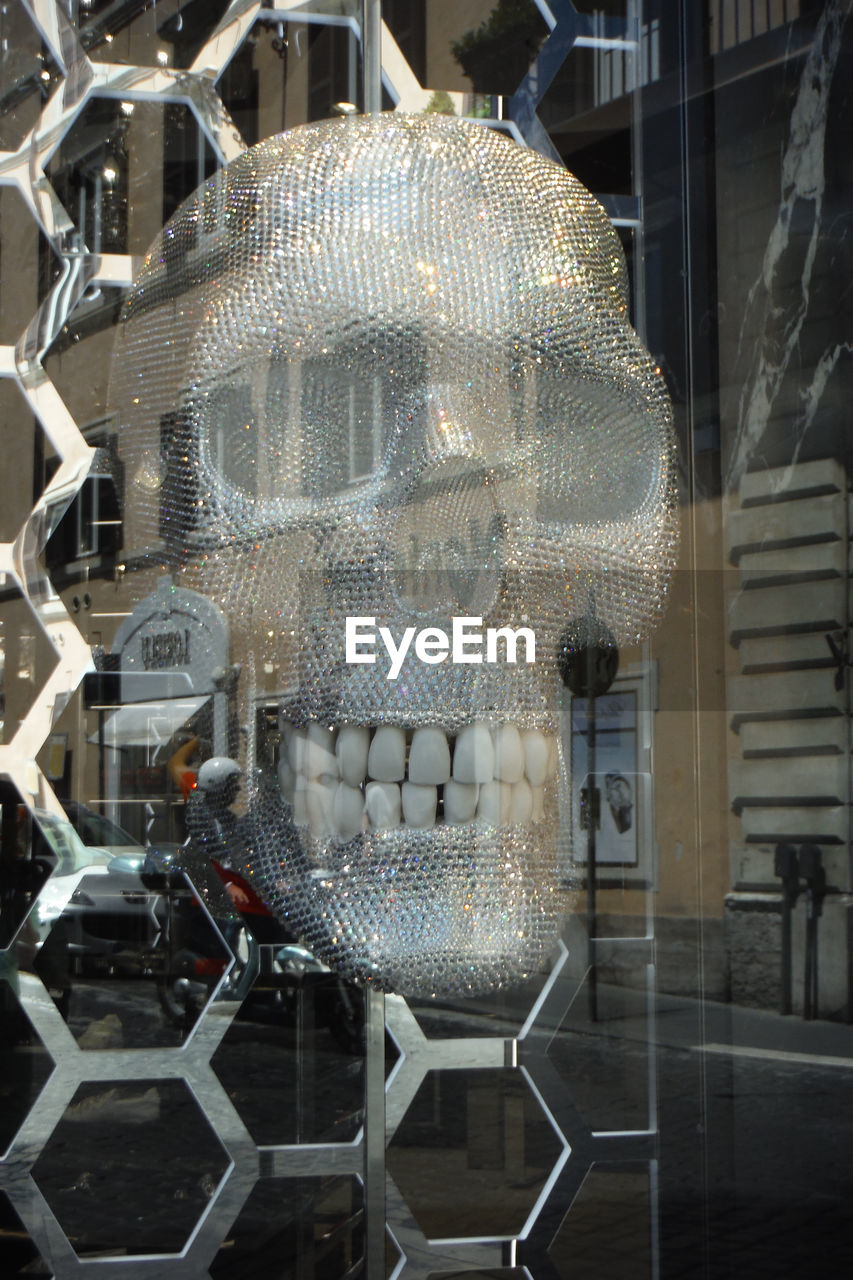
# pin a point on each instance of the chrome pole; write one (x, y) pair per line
(374, 1133)
(371, 55)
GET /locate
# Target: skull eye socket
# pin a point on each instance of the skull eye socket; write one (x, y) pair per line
(288, 429)
(600, 454)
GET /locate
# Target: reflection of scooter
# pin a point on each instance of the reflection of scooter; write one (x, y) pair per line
(190, 954)
(271, 971)
(281, 968)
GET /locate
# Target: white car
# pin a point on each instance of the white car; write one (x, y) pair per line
(94, 902)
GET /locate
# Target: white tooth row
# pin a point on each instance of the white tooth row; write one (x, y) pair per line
(343, 781)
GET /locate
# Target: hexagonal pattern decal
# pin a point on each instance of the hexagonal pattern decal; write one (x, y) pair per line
(171, 36)
(292, 1059)
(86, 335)
(29, 854)
(493, 55)
(22, 434)
(473, 1153)
(130, 964)
(18, 1254)
(28, 266)
(602, 1056)
(131, 1167)
(257, 85)
(93, 174)
(503, 1014)
(25, 1064)
(294, 1227)
(499, 1273)
(27, 73)
(29, 660)
(607, 1229)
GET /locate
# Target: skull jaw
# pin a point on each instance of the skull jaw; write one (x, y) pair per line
(457, 910)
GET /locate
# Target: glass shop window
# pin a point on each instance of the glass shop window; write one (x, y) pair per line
(334, 70)
(91, 526)
(732, 22)
(114, 150)
(286, 73)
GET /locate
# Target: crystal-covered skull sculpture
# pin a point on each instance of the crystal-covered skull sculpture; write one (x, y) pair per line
(381, 400)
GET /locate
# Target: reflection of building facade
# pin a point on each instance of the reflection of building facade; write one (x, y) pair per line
(715, 138)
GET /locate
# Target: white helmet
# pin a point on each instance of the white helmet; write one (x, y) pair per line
(216, 772)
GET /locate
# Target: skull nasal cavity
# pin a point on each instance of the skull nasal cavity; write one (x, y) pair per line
(447, 538)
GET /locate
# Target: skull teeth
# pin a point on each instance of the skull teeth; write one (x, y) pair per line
(344, 780)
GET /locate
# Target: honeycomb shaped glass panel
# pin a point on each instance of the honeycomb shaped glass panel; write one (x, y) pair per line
(28, 75)
(130, 1167)
(27, 269)
(601, 1049)
(490, 50)
(23, 441)
(406, 21)
(607, 1230)
(27, 858)
(295, 1227)
(473, 1153)
(77, 361)
(18, 1254)
(589, 81)
(25, 1064)
(393, 1256)
(136, 943)
(498, 1273)
(128, 966)
(285, 73)
(606, 8)
(501, 1013)
(167, 34)
(114, 156)
(292, 1060)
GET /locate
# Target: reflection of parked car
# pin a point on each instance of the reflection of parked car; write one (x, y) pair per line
(94, 904)
(98, 832)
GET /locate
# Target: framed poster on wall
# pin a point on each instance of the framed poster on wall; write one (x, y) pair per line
(616, 796)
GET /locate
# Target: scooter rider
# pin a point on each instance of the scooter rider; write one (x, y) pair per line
(216, 835)
(219, 838)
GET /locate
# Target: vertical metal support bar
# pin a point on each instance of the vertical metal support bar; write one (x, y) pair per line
(591, 872)
(808, 978)
(635, 17)
(654, 1121)
(848, 694)
(374, 1133)
(102, 781)
(785, 984)
(371, 55)
(220, 723)
(200, 140)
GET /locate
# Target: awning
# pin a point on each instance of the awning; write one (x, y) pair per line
(148, 724)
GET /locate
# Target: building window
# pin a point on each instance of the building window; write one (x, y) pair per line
(91, 527)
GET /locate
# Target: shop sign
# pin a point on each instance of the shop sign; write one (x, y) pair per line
(173, 644)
